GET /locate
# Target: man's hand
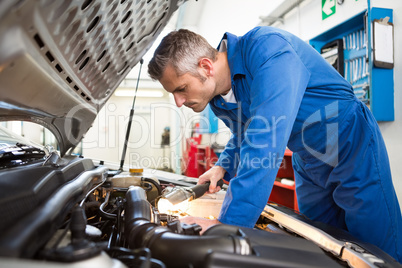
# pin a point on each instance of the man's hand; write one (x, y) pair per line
(213, 175)
(204, 223)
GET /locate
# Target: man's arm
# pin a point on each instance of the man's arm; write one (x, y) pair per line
(279, 82)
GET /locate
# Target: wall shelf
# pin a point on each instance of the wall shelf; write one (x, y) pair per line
(375, 88)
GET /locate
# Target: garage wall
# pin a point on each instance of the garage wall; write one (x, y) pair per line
(306, 22)
(105, 139)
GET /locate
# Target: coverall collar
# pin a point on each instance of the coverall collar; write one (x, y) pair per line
(235, 62)
(234, 54)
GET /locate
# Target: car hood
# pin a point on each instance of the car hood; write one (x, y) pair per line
(60, 61)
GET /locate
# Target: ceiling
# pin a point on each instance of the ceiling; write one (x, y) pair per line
(211, 19)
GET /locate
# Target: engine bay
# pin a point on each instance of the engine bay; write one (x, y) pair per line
(99, 218)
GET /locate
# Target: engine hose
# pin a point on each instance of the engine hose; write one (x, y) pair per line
(119, 221)
(154, 183)
(173, 249)
(102, 208)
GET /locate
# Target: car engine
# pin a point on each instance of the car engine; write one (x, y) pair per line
(95, 217)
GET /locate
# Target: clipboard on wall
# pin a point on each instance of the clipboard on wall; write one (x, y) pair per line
(383, 43)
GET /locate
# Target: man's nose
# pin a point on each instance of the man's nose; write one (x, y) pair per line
(179, 99)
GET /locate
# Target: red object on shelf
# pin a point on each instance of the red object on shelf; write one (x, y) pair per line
(206, 158)
(284, 194)
(189, 161)
(197, 158)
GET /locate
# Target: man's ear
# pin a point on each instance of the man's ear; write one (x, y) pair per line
(206, 66)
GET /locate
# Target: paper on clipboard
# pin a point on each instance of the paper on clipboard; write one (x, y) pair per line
(383, 44)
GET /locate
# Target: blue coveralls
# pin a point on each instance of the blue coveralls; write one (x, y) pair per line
(288, 95)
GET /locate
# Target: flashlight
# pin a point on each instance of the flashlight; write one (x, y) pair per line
(180, 194)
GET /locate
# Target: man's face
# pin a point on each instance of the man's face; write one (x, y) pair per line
(187, 89)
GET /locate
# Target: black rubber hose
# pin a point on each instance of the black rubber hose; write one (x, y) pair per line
(176, 250)
(173, 249)
(102, 208)
(154, 183)
(137, 206)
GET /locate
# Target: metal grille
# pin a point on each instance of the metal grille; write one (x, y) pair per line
(93, 44)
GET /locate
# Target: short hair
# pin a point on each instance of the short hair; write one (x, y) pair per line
(181, 49)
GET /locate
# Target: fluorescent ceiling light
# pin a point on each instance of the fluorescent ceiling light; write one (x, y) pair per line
(140, 93)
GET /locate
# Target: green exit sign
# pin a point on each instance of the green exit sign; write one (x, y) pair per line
(328, 8)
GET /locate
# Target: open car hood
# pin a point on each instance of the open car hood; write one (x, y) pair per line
(60, 61)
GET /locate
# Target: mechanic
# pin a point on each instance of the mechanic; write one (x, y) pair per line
(273, 91)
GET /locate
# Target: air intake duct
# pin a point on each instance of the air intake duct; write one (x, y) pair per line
(175, 250)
